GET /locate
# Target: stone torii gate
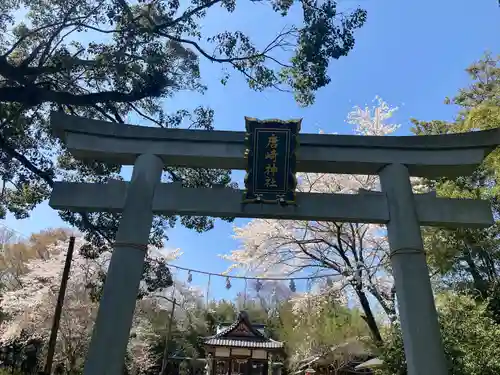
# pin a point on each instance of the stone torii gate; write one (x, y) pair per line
(393, 159)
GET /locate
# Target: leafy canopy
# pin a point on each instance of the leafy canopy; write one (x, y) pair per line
(470, 337)
(107, 59)
(469, 257)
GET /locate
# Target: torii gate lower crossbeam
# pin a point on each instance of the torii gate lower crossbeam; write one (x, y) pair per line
(395, 159)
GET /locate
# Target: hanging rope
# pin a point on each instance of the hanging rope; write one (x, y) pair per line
(191, 270)
(291, 280)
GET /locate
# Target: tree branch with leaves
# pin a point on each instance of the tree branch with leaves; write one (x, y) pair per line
(108, 59)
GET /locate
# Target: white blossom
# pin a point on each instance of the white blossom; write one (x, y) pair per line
(373, 121)
(142, 335)
(30, 307)
(356, 253)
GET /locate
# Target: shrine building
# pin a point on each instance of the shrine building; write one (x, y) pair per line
(242, 348)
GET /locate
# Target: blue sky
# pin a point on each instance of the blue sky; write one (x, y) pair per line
(410, 53)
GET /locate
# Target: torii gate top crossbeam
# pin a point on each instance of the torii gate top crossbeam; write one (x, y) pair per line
(425, 156)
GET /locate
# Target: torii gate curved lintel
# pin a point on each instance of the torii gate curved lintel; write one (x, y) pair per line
(425, 156)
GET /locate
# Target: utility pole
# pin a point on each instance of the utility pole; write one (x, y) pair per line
(59, 306)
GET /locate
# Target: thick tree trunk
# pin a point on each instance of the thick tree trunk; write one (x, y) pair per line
(369, 317)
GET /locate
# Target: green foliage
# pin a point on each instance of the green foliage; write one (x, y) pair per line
(319, 332)
(199, 322)
(466, 260)
(184, 338)
(110, 59)
(469, 258)
(471, 339)
(316, 334)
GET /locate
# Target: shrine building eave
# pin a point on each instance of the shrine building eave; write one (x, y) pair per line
(242, 334)
(242, 343)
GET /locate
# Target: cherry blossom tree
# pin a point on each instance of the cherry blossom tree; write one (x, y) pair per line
(332, 331)
(356, 254)
(30, 306)
(17, 251)
(142, 336)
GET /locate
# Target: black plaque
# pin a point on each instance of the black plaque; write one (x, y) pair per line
(271, 168)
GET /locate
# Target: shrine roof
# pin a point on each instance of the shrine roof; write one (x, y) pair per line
(241, 333)
(242, 343)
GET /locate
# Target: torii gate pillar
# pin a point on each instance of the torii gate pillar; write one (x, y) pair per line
(117, 305)
(421, 335)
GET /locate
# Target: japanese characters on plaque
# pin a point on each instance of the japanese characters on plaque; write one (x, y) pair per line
(271, 146)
